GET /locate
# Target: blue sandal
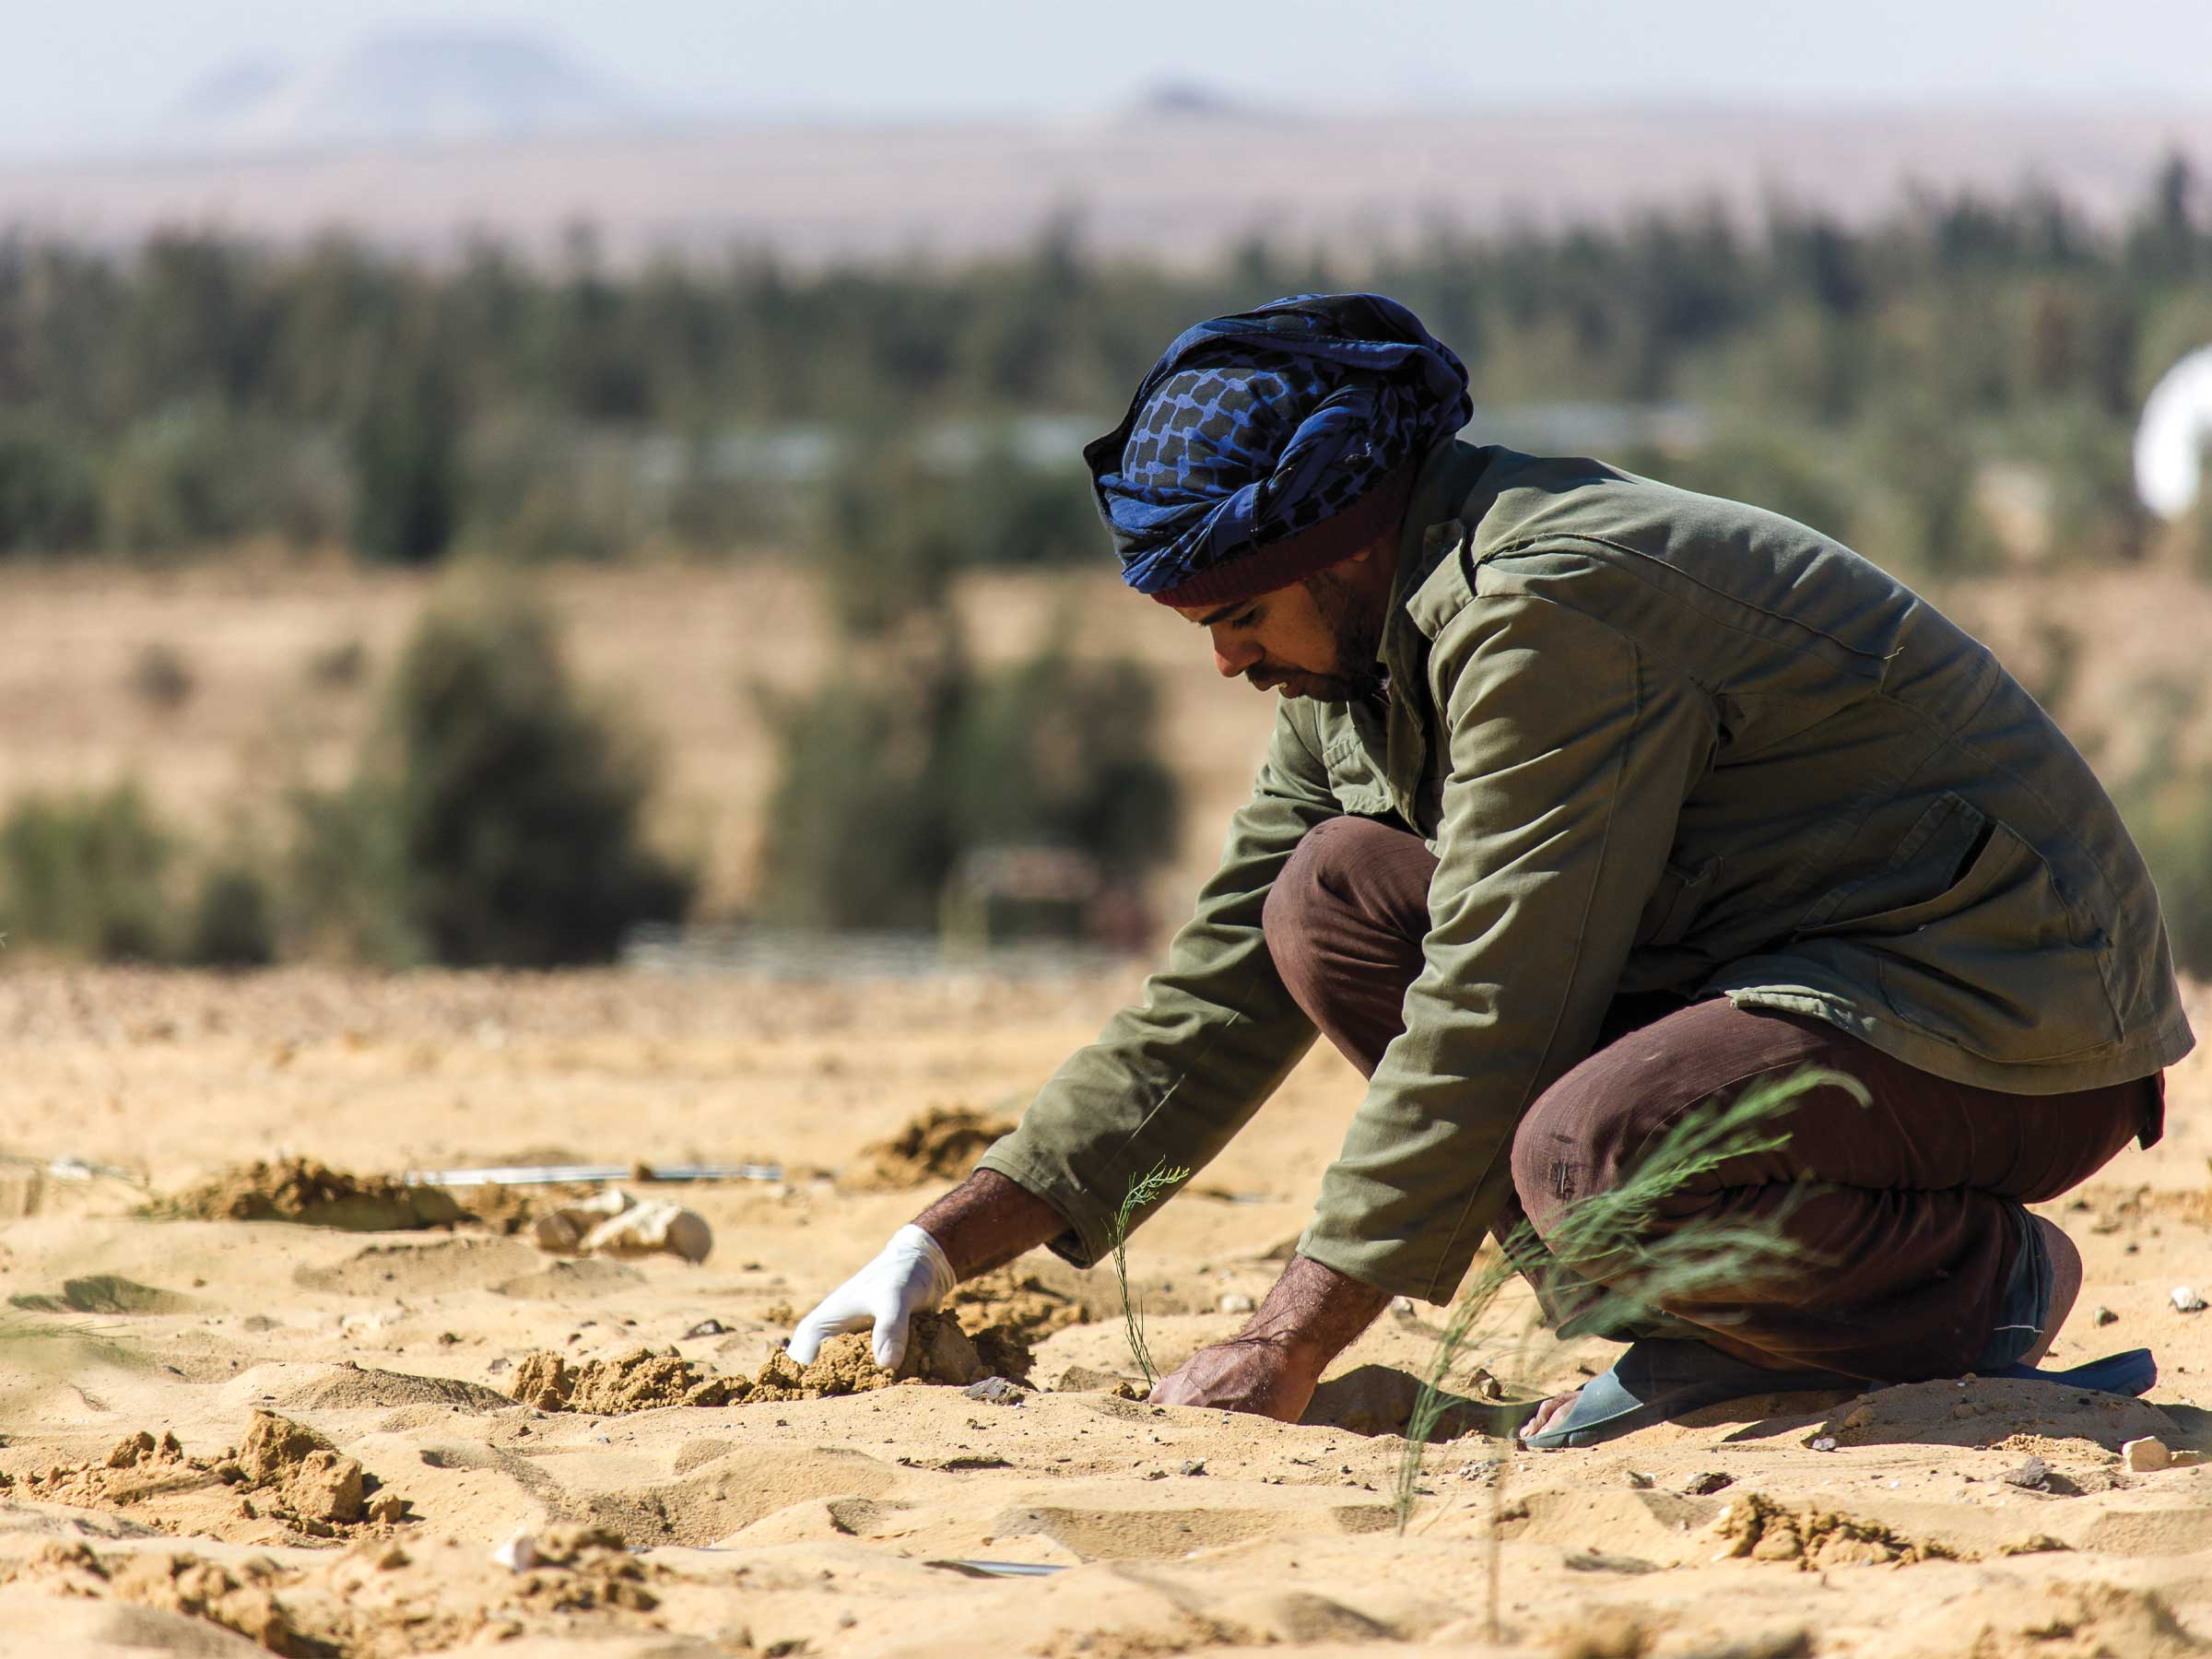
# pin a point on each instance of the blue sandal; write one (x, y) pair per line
(1656, 1380)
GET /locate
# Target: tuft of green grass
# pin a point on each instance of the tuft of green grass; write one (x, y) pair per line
(1143, 1192)
(1607, 1236)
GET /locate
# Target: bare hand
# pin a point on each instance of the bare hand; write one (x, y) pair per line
(1253, 1375)
(1270, 1367)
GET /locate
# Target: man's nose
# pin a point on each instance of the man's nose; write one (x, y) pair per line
(1234, 657)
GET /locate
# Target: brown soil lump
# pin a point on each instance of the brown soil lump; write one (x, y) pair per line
(301, 1190)
(941, 1145)
(937, 1352)
(1758, 1528)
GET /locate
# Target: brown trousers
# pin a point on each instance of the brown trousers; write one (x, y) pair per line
(1901, 1213)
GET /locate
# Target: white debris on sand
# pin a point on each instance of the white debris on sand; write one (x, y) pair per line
(614, 1223)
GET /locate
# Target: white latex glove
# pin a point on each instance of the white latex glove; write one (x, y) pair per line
(911, 1276)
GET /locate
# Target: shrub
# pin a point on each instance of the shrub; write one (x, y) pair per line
(2175, 834)
(233, 920)
(160, 677)
(49, 502)
(857, 836)
(884, 789)
(87, 875)
(496, 820)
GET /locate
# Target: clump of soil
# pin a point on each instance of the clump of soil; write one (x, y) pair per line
(1008, 1296)
(314, 1194)
(2080, 1621)
(596, 1569)
(195, 1588)
(1758, 1527)
(937, 1352)
(318, 1606)
(941, 1145)
(637, 1381)
(284, 1471)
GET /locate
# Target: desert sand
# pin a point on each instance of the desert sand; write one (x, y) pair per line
(228, 1436)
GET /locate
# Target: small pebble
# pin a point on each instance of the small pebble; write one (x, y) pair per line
(1196, 1465)
(519, 1554)
(1705, 1484)
(1642, 1482)
(2033, 1475)
(1827, 1443)
(995, 1390)
(706, 1327)
(1235, 1302)
(2105, 1316)
(2186, 1300)
(2144, 1456)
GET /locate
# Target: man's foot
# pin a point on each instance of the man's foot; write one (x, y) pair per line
(2065, 1284)
(1557, 1406)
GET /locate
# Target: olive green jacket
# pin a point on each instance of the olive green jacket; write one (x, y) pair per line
(1657, 742)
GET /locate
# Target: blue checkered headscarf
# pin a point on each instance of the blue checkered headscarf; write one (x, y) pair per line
(1255, 427)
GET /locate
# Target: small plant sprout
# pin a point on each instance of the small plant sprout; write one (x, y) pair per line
(1599, 1255)
(1143, 1192)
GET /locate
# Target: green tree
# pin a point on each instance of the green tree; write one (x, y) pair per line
(498, 819)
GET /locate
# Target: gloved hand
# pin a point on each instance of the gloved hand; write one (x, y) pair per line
(909, 1277)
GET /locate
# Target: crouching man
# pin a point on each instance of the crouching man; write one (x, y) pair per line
(1591, 804)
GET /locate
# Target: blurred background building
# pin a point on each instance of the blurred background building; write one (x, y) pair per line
(490, 492)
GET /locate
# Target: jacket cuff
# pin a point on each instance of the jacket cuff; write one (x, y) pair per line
(1385, 1265)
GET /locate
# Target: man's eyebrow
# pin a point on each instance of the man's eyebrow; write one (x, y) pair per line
(1222, 615)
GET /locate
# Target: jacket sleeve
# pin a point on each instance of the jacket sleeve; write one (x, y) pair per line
(1178, 1073)
(1570, 752)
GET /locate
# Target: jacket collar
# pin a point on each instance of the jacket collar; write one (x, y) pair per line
(1433, 531)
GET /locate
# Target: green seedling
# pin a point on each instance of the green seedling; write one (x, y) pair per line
(1143, 1192)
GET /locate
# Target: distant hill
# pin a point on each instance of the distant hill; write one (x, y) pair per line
(409, 87)
(1181, 179)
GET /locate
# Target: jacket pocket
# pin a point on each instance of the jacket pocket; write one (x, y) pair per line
(1354, 782)
(1924, 876)
(2001, 963)
(1675, 903)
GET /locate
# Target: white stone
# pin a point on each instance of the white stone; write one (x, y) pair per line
(519, 1554)
(613, 1223)
(2144, 1456)
(2187, 1301)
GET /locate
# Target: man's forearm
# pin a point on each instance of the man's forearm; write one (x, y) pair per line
(1315, 1312)
(988, 1221)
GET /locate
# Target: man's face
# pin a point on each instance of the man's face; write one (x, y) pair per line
(1318, 638)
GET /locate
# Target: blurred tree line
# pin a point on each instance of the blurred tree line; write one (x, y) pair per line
(200, 391)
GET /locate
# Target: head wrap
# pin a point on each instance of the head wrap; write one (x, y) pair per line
(1269, 445)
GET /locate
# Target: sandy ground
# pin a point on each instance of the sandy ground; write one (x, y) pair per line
(813, 1526)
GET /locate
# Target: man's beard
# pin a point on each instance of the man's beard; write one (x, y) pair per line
(1355, 629)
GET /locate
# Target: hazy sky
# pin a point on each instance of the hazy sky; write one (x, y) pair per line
(92, 73)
